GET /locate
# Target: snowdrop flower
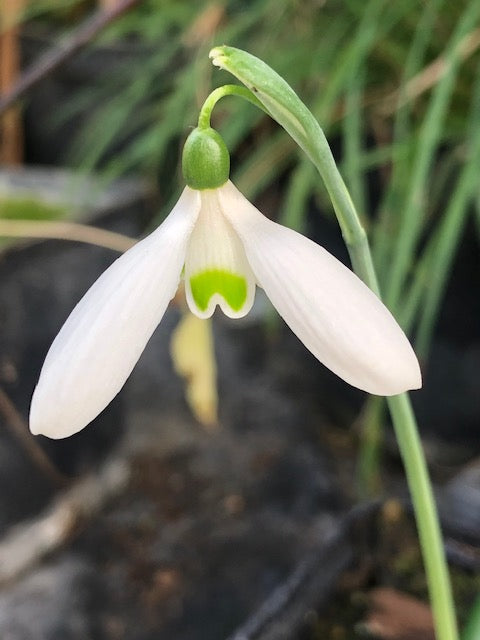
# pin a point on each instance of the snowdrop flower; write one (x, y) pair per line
(224, 247)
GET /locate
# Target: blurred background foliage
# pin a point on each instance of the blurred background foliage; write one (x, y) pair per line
(394, 85)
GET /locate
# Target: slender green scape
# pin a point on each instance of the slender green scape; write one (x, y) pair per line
(472, 628)
(284, 106)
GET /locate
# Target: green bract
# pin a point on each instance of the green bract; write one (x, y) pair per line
(275, 94)
(205, 160)
(282, 103)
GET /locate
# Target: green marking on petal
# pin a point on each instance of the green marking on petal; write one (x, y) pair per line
(231, 287)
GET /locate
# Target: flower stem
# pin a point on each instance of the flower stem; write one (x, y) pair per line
(426, 516)
(472, 629)
(403, 418)
(368, 478)
(282, 103)
(226, 90)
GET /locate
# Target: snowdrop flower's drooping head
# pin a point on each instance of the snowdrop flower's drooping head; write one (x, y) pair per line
(224, 247)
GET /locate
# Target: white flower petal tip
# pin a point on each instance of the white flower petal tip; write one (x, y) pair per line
(336, 316)
(104, 336)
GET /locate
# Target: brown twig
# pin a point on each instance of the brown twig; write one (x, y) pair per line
(57, 56)
(52, 230)
(385, 104)
(429, 76)
(28, 543)
(11, 133)
(19, 429)
(283, 612)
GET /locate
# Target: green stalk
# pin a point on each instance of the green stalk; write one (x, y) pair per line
(426, 516)
(369, 454)
(217, 94)
(403, 419)
(370, 449)
(472, 628)
(279, 99)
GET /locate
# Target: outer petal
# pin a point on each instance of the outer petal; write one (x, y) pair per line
(104, 336)
(337, 317)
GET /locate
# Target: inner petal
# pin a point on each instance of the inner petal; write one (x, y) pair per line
(216, 268)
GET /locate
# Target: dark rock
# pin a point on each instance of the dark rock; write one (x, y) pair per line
(53, 603)
(459, 504)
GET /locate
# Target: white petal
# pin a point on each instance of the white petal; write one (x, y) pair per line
(104, 336)
(216, 268)
(337, 317)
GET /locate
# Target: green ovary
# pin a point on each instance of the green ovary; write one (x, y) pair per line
(231, 287)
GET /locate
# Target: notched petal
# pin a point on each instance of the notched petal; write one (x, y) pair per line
(216, 269)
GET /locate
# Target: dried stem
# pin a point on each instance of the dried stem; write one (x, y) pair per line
(58, 55)
(429, 76)
(30, 542)
(19, 429)
(11, 134)
(51, 230)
